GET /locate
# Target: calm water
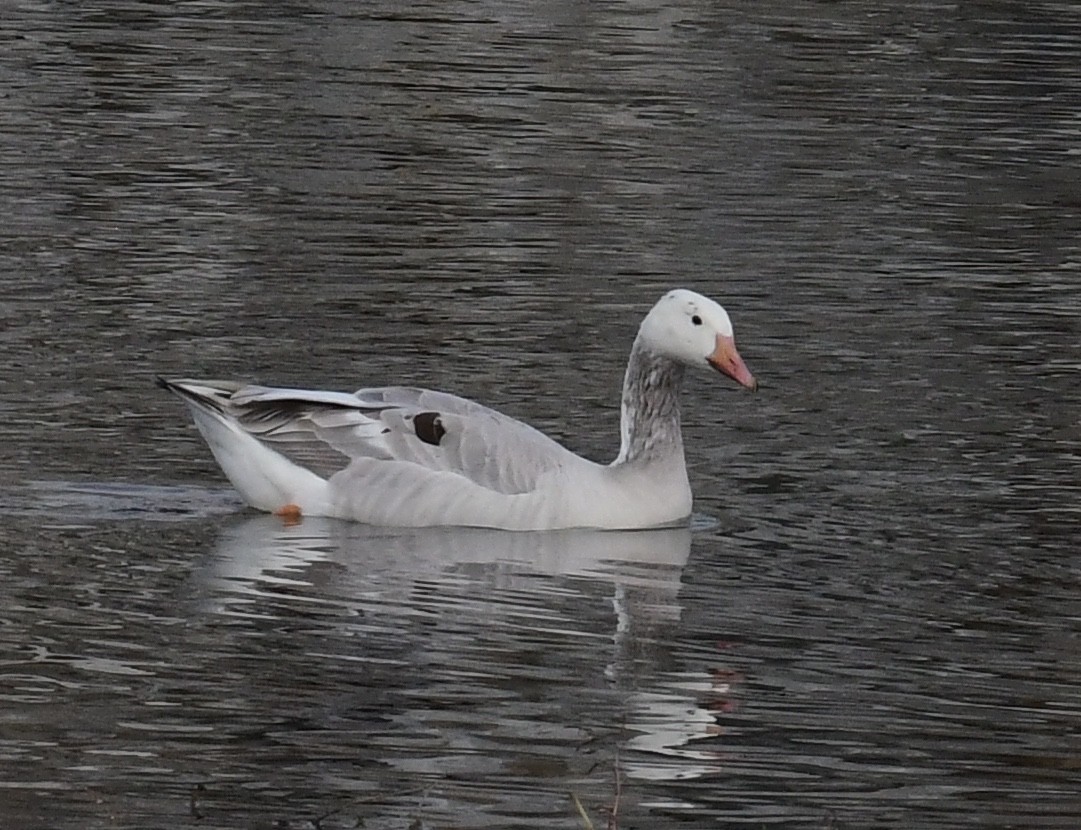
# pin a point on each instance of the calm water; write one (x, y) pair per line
(875, 621)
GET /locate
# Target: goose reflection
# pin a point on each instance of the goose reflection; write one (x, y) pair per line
(605, 605)
(261, 551)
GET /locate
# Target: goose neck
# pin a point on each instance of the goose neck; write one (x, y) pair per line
(649, 422)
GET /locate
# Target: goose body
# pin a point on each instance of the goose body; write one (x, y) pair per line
(411, 457)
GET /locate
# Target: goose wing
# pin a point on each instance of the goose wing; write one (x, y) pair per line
(325, 432)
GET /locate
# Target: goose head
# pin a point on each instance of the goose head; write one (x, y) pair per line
(694, 330)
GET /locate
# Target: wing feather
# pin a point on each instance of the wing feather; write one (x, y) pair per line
(326, 431)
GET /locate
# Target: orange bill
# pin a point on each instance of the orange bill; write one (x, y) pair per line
(726, 359)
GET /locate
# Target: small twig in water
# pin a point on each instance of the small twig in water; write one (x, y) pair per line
(582, 812)
(613, 816)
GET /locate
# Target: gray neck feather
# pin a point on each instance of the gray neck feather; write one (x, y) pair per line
(649, 424)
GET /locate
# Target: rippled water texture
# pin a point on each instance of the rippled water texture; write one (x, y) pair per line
(874, 621)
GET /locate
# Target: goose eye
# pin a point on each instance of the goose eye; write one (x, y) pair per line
(696, 320)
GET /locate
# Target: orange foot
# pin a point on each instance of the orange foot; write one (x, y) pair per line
(290, 514)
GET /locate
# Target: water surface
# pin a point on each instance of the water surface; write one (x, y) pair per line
(873, 623)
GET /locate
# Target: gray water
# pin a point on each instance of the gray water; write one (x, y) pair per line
(874, 621)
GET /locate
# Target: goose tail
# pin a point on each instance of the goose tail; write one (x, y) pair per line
(265, 478)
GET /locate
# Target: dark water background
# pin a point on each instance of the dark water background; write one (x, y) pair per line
(876, 621)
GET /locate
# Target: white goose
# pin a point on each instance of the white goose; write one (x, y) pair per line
(413, 458)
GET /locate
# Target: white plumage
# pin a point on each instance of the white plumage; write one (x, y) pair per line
(413, 457)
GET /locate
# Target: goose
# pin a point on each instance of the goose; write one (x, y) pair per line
(407, 457)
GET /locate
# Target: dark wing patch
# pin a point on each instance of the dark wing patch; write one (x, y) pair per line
(290, 427)
(429, 428)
